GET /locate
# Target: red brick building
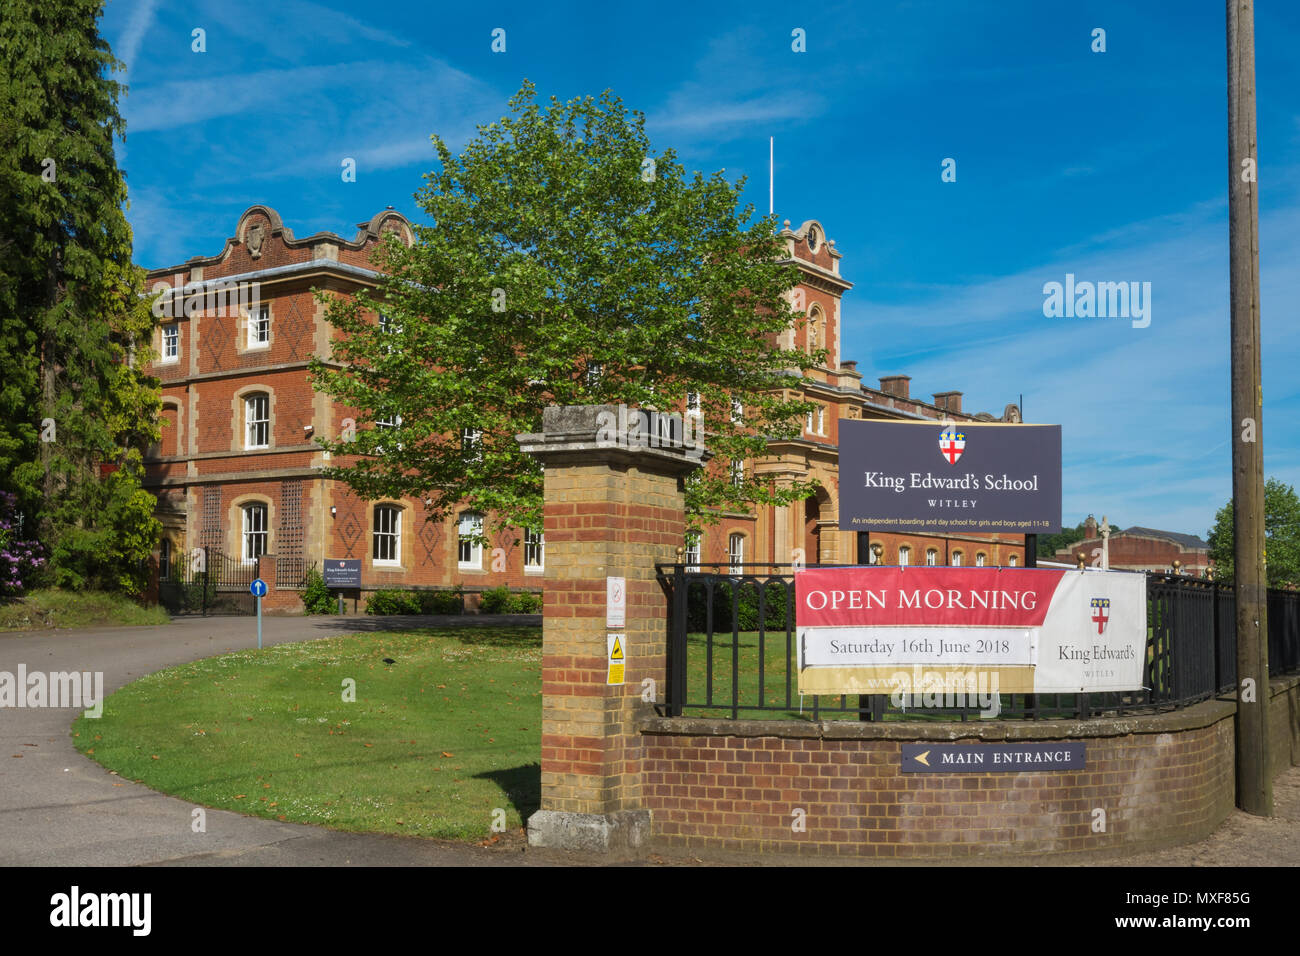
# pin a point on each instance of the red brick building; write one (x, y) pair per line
(237, 468)
(1142, 549)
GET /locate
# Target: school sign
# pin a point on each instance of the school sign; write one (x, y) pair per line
(906, 476)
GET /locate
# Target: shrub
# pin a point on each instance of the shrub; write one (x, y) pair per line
(745, 606)
(18, 558)
(501, 601)
(316, 597)
(417, 602)
(393, 602)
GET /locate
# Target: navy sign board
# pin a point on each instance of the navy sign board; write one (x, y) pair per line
(963, 477)
(343, 573)
(257, 588)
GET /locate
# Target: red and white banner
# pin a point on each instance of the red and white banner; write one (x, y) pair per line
(1039, 630)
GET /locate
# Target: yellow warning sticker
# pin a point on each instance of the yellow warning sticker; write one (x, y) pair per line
(614, 652)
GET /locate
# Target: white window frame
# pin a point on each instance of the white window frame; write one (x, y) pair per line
(253, 535)
(821, 419)
(904, 556)
(737, 410)
(251, 422)
(980, 559)
(956, 559)
(691, 557)
(471, 522)
(534, 551)
(171, 343)
(471, 444)
(737, 474)
(392, 534)
(931, 557)
(1015, 560)
(259, 327)
(594, 371)
(735, 552)
(693, 404)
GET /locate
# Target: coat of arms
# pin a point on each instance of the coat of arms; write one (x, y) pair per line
(951, 444)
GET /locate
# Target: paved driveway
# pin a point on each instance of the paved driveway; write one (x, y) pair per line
(60, 808)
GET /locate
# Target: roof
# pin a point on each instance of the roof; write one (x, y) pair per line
(1188, 541)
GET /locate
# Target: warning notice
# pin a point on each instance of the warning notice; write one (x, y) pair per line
(617, 658)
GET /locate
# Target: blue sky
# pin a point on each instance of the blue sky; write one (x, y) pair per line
(1111, 166)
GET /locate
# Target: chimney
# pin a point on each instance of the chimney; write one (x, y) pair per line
(851, 365)
(1090, 527)
(895, 385)
(948, 400)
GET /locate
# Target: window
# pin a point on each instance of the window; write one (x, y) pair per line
(388, 327)
(736, 552)
(254, 532)
(979, 560)
(809, 426)
(737, 410)
(956, 559)
(165, 560)
(259, 326)
(469, 551)
(931, 557)
(471, 444)
(534, 549)
(821, 420)
(1015, 560)
(692, 552)
(171, 339)
(257, 421)
(904, 556)
(693, 404)
(594, 370)
(814, 330)
(737, 473)
(388, 535)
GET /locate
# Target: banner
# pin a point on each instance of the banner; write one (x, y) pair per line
(876, 630)
(931, 477)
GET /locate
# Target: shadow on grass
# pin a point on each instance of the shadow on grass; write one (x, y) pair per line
(521, 785)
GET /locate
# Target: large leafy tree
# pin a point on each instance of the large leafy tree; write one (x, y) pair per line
(565, 263)
(75, 411)
(1281, 537)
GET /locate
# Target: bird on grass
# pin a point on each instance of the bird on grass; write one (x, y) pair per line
(389, 660)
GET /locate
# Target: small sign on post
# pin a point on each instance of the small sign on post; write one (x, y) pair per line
(258, 590)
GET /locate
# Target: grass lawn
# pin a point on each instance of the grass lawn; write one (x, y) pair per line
(52, 608)
(433, 744)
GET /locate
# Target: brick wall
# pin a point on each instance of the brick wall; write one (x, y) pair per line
(734, 785)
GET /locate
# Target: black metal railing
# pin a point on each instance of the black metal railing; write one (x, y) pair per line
(208, 581)
(732, 647)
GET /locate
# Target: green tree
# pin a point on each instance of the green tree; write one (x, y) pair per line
(1281, 537)
(566, 264)
(74, 409)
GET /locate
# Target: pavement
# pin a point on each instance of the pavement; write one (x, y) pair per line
(58, 808)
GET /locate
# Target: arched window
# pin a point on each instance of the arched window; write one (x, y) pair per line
(254, 536)
(814, 329)
(904, 556)
(956, 559)
(1015, 560)
(736, 552)
(469, 554)
(979, 559)
(257, 420)
(931, 557)
(387, 547)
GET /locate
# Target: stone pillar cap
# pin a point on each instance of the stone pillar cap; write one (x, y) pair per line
(599, 434)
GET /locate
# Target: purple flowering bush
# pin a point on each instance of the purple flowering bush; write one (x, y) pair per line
(18, 559)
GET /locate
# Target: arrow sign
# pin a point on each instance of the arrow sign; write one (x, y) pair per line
(257, 588)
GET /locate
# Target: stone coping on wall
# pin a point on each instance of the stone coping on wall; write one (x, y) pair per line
(1205, 714)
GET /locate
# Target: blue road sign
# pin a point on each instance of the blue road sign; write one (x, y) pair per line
(258, 588)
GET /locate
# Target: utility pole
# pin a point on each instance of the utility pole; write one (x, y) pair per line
(1254, 782)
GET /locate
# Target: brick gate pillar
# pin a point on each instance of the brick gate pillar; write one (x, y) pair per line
(611, 509)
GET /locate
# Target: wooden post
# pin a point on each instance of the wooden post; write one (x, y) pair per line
(1254, 782)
